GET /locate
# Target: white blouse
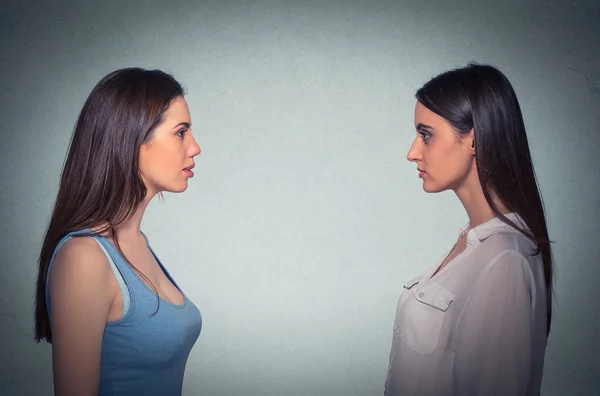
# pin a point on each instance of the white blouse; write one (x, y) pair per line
(478, 326)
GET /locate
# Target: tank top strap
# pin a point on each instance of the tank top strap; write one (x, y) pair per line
(123, 284)
(124, 268)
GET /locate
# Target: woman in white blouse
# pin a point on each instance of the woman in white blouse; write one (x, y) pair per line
(477, 322)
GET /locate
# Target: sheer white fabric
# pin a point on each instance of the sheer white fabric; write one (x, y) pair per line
(478, 326)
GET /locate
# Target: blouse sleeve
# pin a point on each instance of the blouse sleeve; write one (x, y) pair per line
(493, 337)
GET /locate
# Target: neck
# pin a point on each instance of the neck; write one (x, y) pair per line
(131, 229)
(470, 194)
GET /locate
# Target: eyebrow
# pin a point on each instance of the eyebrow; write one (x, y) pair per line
(185, 124)
(420, 125)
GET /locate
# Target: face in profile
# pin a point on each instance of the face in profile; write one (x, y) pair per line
(167, 158)
(444, 161)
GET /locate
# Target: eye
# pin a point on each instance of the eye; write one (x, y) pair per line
(181, 132)
(424, 135)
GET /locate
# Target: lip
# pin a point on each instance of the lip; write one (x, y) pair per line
(188, 170)
(421, 172)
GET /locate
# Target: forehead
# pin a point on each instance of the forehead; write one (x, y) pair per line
(425, 116)
(178, 110)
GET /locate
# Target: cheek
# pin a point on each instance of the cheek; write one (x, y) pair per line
(159, 160)
(447, 163)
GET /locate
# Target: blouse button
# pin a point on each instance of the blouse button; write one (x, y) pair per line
(421, 294)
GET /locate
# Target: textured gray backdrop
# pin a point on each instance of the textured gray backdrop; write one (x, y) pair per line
(304, 218)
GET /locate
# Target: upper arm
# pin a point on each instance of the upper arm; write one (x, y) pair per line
(493, 337)
(80, 298)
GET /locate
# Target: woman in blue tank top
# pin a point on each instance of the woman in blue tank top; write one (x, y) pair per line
(118, 322)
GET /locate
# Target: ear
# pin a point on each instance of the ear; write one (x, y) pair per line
(470, 137)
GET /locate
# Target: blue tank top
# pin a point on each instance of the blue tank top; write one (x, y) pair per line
(144, 352)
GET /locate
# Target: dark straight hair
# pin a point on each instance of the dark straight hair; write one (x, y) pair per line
(481, 98)
(101, 185)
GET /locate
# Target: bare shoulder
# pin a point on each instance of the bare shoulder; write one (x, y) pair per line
(81, 292)
(80, 260)
(81, 252)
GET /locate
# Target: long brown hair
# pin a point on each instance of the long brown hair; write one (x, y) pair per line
(100, 185)
(480, 97)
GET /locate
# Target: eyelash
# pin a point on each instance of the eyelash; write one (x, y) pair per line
(424, 136)
(181, 132)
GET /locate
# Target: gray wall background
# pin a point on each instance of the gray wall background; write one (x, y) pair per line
(304, 218)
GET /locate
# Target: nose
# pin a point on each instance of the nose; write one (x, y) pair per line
(194, 148)
(414, 154)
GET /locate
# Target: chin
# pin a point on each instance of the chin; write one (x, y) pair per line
(177, 189)
(429, 188)
(182, 189)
